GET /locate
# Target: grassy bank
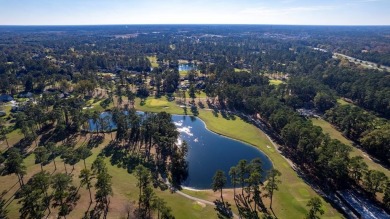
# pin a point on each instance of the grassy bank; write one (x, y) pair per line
(334, 133)
(124, 187)
(290, 201)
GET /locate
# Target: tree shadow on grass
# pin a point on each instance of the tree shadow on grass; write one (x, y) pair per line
(194, 110)
(95, 141)
(223, 209)
(215, 113)
(228, 115)
(23, 144)
(201, 105)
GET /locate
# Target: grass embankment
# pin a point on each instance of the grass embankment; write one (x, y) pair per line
(334, 133)
(290, 201)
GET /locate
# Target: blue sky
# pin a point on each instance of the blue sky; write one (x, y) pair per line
(307, 12)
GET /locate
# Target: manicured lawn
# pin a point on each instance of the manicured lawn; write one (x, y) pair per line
(153, 61)
(156, 103)
(13, 137)
(334, 133)
(276, 82)
(183, 73)
(168, 106)
(201, 95)
(124, 187)
(290, 201)
(342, 102)
(241, 70)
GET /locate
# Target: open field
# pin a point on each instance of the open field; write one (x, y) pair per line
(153, 61)
(275, 82)
(334, 133)
(183, 73)
(241, 70)
(342, 102)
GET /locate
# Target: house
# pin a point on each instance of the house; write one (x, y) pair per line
(25, 95)
(5, 98)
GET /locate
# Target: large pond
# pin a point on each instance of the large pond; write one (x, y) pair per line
(187, 67)
(208, 152)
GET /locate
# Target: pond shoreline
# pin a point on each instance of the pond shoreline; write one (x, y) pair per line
(208, 147)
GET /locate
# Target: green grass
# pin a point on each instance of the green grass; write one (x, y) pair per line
(275, 82)
(241, 70)
(335, 134)
(169, 107)
(290, 201)
(7, 109)
(13, 137)
(124, 187)
(304, 192)
(342, 102)
(183, 73)
(153, 61)
(125, 184)
(95, 104)
(157, 103)
(21, 100)
(201, 95)
(329, 129)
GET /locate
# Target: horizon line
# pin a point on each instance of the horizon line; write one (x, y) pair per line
(197, 24)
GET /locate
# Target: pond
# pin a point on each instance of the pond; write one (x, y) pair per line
(208, 151)
(187, 67)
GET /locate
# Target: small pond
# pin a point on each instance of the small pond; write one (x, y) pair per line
(187, 67)
(208, 151)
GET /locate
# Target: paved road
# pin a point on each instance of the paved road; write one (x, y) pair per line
(366, 64)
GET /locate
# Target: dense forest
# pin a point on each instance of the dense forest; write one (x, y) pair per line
(63, 77)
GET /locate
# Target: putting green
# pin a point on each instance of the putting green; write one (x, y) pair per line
(156, 103)
(276, 82)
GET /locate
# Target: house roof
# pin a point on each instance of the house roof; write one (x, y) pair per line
(5, 97)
